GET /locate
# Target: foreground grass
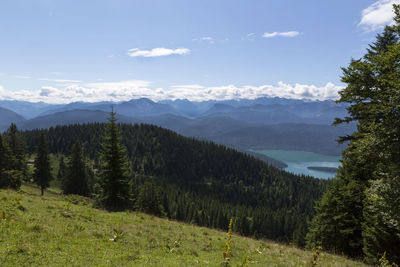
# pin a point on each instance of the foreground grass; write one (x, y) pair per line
(57, 230)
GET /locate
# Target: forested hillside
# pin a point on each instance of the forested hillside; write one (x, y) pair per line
(7, 116)
(203, 183)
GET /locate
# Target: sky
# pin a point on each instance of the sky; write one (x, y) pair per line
(61, 51)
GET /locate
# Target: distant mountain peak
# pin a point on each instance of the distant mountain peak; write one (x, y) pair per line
(142, 100)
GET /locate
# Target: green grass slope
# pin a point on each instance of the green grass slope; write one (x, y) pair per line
(57, 230)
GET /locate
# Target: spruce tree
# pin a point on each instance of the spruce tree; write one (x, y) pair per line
(6, 157)
(149, 199)
(42, 174)
(61, 169)
(359, 214)
(17, 145)
(75, 180)
(114, 173)
(9, 178)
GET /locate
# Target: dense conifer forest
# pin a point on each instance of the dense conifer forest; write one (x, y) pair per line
(199, 182)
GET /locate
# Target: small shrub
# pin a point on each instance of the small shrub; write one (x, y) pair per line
(4, 217)
(383, 262)
(314, 260)
(118, 234)
(66, 210)
(194, 253)
(17, 202)
(79, 228)
(35, 228)
(177, 244)
(208, 247)
(98, 235)
(245, 261)
(10, 179)
(78, 200)
(227, 252)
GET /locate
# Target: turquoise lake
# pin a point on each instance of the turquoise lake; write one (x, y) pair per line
(298, 161)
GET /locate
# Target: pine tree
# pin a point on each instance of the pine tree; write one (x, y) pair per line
(42, 175)
(114, 173)
(149, 199)
(61, 168)
(9, 178)
(75, 180)
(6, 157)
(17, 145)
(337, 225)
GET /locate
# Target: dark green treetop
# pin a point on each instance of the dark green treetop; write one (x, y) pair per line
(6, 157)
(149, 199)
(61, 168)
(9, 178)
(75, 180)
(18, 148)
(114, 173)
(42, 174)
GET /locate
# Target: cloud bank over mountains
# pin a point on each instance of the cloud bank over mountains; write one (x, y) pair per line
(134, 89)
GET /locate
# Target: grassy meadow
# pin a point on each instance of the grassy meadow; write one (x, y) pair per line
(57, 230)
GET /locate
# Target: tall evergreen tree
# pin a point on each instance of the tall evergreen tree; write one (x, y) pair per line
(17, 145)
(42, 175)
(360, 213)
(149, 199)
(6, 157)
(61, 168)
(75, 180)
(9, 178)
(114, 174)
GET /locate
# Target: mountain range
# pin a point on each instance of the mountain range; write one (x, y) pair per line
(263, 123)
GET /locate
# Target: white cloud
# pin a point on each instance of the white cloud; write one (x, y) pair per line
(3, 92)
(22, 77)
(133, 89)
(90, 92)
(16, 76)
(250, 36)
(157, 52)
(377, 15)
(298, 91)
(205, 39)
(187, 86)
(281, 34)
(58, 80)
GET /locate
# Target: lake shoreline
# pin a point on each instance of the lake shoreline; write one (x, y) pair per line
(323, 169)
(322, 166)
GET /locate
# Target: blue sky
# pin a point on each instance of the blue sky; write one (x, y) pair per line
(67, 50)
